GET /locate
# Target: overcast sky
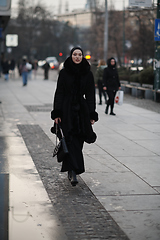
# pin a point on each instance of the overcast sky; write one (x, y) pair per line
(73, 4)
(53, 5)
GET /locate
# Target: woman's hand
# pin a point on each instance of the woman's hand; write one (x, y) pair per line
(104, 88)
(56, 120)
(92, 121)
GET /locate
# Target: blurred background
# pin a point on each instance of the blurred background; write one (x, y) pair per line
(104, 29)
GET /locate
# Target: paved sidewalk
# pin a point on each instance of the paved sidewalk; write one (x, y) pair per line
(122, 170)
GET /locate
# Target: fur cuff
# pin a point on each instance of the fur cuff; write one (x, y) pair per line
(56, 114)
(94, 116)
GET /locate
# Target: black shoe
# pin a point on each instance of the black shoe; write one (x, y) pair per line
(69, 175)
(74, 180)
(106, 111)
(112, 113)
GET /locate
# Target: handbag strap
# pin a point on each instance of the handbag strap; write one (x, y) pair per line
(60, 130)
(56, 134)
(58, 125)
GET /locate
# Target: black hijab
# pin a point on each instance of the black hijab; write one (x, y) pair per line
(109, 63)
(75, 48)
(76, 67)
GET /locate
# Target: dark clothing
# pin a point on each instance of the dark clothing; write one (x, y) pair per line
(12, 64)
(5, 67)
(111, 82)
(111, 95)
(99, 82)
(101, 91)
(111, 78)
(93, 69)
(74, 161)
(74, 103)
(46, 68)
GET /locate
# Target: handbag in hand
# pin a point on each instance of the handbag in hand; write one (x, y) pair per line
(61, 149)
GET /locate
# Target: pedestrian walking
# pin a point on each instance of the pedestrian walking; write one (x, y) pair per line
(111, 83)
(12, 65)
(99, 80)
(35, 68)
(5, 69)
(74, 107)
(24, 72)
(46, 68)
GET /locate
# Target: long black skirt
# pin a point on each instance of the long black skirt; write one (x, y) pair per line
(74, 161)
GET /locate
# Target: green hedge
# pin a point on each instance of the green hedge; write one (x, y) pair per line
(147, 76)
(124, 73)
(144, 77)
(134, 77)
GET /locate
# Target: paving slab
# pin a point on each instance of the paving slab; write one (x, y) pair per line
(103, 163)
(139, 224)
(117, 183)
(131, 203)
(147, 168)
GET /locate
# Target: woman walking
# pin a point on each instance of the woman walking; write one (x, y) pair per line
(111, 83)
(74, 107)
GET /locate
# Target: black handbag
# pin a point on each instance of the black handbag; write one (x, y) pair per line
(61, 150)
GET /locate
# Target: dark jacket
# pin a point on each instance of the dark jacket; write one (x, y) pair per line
(5, 67)
(110, 77)
(99, 73)
(46, 67)
(75, 93)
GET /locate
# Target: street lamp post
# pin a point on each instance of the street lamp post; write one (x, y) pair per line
(106, 32)
(123, 34)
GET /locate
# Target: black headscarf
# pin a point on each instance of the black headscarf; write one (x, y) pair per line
(75, 48)
(109, 63)
(76, 69)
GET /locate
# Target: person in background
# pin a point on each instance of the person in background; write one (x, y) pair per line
(35, 68)
(46, 68)
(94, 67)
(12, 65)
(24, 72)
(111, 83)
(5, 69)
(74, 107)
(99, 81)
(29, 68)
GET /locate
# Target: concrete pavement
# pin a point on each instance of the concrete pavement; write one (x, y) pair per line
(122, 167)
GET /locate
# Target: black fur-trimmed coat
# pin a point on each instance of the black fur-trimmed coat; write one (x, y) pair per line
(63, 99)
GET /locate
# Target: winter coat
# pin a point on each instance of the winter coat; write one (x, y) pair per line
(110, 77)
(5, 67)
(75, 94)
(99, 73)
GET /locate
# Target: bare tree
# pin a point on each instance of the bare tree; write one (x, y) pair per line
(39, 34)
